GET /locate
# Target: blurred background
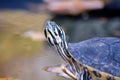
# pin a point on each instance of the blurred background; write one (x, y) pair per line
(24, 50)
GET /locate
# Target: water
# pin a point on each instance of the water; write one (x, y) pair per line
(23, 57)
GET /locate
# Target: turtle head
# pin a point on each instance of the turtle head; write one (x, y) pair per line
(56, 37)
(55, 34)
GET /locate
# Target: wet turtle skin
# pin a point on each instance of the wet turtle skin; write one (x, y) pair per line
(102, 54)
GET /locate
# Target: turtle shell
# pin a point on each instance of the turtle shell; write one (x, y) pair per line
(102, 54)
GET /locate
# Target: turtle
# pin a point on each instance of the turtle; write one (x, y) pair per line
(93, 59)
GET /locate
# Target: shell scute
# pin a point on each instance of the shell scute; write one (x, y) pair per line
(102, 54)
